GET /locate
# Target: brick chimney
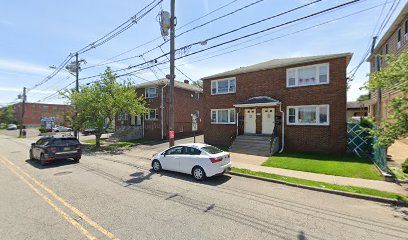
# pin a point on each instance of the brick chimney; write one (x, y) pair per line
(186, 81)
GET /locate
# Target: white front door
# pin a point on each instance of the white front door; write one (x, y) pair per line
(250, 121)
(268, 120)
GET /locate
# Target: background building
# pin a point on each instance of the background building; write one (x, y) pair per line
(395, 42)
(34, 112)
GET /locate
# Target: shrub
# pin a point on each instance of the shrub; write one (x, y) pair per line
(367, 122)
(43, 130)
(404, 166)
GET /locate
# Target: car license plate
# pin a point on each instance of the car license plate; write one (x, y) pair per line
(67, 148)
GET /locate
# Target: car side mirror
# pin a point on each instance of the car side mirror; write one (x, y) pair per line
(32, 144)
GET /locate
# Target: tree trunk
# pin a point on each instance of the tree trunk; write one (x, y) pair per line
(98, 140)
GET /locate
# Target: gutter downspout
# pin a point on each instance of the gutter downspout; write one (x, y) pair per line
(283, 127)
(239, 110)
(162, 107)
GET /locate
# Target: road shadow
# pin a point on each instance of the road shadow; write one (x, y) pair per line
(139, 177)
(53, 164)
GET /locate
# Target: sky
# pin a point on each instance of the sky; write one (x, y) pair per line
(39, 34)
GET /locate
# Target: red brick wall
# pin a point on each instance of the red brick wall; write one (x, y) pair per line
(272, 83)
(184, 105)
(34, 111)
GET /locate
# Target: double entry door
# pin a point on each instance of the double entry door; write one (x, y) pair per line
(268, 120)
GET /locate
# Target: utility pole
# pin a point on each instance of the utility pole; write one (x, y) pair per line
(377, 67)
(76, 87)
(22, 112)
(172, 76)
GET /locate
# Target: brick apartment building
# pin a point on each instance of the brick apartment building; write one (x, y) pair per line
(154, 125)
(34, 112)
(395, 42)
(299, 104)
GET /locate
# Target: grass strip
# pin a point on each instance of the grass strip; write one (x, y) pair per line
(311, 183)
(331, 164)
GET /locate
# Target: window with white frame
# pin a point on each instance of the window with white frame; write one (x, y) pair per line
(308, 115)
(223, 86)
(223, 116)
(122, 117)
(151, 92)
(309, 75)
(152, 115)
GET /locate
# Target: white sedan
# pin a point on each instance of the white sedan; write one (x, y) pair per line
(199, 160)
(61, 129)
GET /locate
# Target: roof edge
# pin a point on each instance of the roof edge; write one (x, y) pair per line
(228, 73)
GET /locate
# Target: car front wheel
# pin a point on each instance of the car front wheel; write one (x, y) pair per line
(43, 162)
(156, 166)
(198, 173)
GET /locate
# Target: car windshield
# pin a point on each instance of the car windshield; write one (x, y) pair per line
(212, 149)
(65, 141)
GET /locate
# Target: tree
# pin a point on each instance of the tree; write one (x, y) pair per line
(393, 76)
(198, 83)
(98, 104)
(7, 114)
(364, 97)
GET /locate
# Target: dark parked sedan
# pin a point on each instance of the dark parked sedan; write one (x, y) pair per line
(52, 148)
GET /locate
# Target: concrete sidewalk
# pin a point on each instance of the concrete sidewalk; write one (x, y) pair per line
(253, 163)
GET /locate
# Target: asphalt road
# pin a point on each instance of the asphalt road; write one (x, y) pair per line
(118, 197)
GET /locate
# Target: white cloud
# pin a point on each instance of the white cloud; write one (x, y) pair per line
(18, 90)
(23, 67)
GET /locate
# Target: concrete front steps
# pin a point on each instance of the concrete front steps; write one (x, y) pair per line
(252, 144)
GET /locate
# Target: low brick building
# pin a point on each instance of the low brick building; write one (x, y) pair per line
(154, 125)
(34, 112)
(357, 109)
(299, 101)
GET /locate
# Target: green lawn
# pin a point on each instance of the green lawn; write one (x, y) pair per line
(359, 190)
(93, 141)
(338, 165)
(124, 144)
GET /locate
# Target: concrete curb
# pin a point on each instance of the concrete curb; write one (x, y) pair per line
(345, 194)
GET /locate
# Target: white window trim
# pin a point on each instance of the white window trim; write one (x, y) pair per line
(229, 115)
(147, 90)
(220, 80)
(317, 115)
(122, 117)
(308, 66)
(155, 115)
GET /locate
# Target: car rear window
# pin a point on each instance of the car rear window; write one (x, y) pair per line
(65, 141)
(211, 149)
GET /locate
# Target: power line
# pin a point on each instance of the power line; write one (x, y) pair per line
(164, 62)
(120, 29)
(212, 38)
(279, 37)
(55, 72)
(242, 37)
(157, 38)
(220, 35)
(185, 75)
(385, 21)
(107, 37)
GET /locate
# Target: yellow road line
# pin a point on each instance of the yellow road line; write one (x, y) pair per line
(47, 200)
(72, 208)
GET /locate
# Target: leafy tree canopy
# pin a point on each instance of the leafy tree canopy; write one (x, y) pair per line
(99, 103)
(7, 114)
(363, 97)
(393, 76)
